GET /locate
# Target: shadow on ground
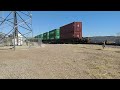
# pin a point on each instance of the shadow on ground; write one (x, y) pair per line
(117, 51)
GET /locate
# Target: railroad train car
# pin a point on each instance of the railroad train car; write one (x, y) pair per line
(110, 40)
(118, 41)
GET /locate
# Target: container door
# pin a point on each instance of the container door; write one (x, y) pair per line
(77, 27)
(78, 30)
(76, 34)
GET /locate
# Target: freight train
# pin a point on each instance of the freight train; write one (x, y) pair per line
(70, 33)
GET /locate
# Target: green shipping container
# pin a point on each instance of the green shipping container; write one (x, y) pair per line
(57, 34)
(45, 36)
(54, 34)
(51, 34)
(37, 36)
(41, 36)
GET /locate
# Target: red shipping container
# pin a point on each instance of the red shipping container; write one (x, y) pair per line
(71, 31)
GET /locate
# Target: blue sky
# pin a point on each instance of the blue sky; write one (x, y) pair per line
(94, 23)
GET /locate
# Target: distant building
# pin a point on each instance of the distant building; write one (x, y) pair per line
(20, 40)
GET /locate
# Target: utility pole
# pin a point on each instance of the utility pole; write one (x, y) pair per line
(15, 29)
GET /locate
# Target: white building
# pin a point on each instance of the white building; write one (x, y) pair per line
(20, 40)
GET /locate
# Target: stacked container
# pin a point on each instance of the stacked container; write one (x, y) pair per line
(54, 34)
(41, 36)
(71, 31)
(45, 36)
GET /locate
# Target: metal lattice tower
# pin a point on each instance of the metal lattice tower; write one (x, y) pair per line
(16, 22)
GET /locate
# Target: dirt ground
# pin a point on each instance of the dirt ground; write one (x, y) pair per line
(57, 61)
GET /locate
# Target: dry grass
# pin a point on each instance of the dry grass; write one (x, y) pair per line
(61, 62)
